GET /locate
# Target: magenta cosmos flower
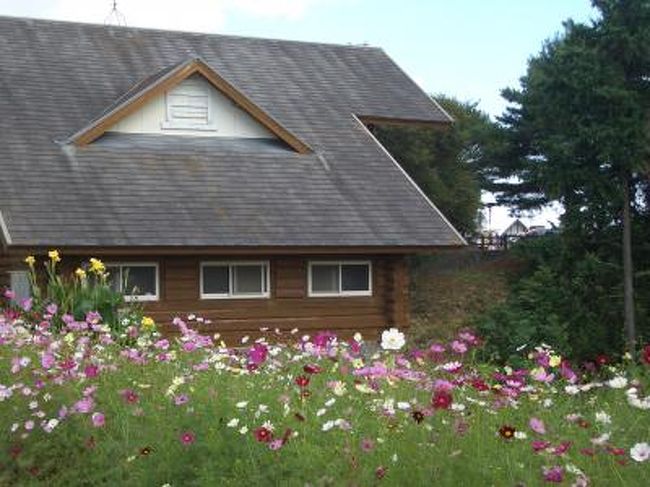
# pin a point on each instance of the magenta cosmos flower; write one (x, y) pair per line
(98, 420)
(187, 438)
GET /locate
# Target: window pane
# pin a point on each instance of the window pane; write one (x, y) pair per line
(247, 279)
(140, 281)
(216, 279)
(356, 277)
(20, 285)
(114, 280)
(325, 278)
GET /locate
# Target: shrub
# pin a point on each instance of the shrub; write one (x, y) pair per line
(574, 305)
(86, 290)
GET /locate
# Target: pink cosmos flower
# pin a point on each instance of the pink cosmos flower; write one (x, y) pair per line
(187, 438)
(47, 360)
(367, 445)
(162, 344)
(51, 309)
(276, 444)
(26, 304)
(9, 294)
(458, 347)
(553, 474)
(84, 405)
(181, 399)
(537, 425)
(93, 317)
(98, 420)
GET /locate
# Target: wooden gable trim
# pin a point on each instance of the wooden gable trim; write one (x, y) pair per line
(99, 127)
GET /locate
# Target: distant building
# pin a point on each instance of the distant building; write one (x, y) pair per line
(516, 229)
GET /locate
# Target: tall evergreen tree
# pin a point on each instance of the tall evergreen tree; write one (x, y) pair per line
(578, 131)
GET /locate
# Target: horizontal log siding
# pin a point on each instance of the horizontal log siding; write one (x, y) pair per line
(288, 307)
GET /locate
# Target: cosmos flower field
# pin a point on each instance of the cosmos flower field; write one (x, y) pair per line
(82, 405)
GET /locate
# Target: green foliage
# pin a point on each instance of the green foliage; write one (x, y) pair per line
(571, 302)
(447, 163)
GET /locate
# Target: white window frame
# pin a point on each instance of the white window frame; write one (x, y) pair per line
(129, 298)
(231, 264)
(170, 124)
(341, 292)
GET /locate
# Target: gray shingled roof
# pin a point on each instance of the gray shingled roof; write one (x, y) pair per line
(139, 190)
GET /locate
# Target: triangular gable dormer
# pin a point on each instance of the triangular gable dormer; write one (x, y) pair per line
(188, 98)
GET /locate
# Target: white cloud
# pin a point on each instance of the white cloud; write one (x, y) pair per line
(192, 15)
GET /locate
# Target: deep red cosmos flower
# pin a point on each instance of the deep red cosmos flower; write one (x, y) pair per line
(441, 400)
(380, 472)
(144, 451)
(480, 385)
(263, 435)
(602, 359)
(302, 381)
(506, 431)
(311, 369)
(129, 396)
(646, 354)
(418, 416)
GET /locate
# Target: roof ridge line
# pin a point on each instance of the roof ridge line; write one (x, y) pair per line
(191, 32)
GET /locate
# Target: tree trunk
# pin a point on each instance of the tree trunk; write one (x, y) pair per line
(628, 284)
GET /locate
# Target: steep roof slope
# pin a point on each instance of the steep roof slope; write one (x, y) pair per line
(137, 190)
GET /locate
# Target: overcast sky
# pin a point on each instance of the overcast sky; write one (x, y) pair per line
(470, 49)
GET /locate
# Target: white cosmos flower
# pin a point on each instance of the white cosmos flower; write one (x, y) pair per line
(572, 390)
(328, 425)
(520, 435)
(602, 439)
(241, 404)
(640, 452)
(392, 339)
(233, 423)
(603, 417)
(618, 382)
(243, 430)
(330, 402)
(320, 412)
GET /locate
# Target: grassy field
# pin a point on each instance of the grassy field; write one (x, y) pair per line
(84, 407)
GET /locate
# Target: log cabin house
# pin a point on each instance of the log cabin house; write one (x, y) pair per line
(235, 178)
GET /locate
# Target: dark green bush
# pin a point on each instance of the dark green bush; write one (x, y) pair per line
(571, 302)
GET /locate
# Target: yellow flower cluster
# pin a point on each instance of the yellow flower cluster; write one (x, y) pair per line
(97, 266)
(147, 323)
(30, 260)
(54, 256)
(80, 273)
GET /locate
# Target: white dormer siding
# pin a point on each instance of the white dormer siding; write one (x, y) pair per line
(193, 107)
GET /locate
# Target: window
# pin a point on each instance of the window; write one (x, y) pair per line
(234, 280)
(137, 281)
(345, 278)
(188, 105)
(19, 284)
